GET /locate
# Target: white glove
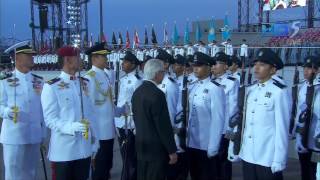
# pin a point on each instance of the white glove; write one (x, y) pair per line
(299, 146)
(73, 128)
(210, 154)
(95, 147)
(8, 113)
(277, 167)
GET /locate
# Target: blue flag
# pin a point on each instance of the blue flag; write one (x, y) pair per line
(212, 33)
(198, 33)
(186, 34)
(226, 29)
(175, 35)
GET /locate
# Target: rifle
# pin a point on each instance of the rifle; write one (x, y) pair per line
(306, 116)
(294, 99)
(116, 84)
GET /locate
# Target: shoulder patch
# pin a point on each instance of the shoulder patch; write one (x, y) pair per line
(91, 73)
(215, 83)
(36, 76)
(231, 78)
(278, 84)
(6, 76)
(54, 80)
(171, 79)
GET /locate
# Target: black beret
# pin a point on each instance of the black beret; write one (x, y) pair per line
(236, 60)
(269, 57)
(164, 56)
(200, 58)
(179, 59)
(311, 62)
(129, 56)
(222, 57)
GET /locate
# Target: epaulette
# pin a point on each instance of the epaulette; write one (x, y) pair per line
(91, 73)
(54, 80)
(6, 76)
(253, 83)
(36, 76)
(280, 77)
(215, 83)
(278, 84)
(172, 80)
(231, 78)
(84, 79)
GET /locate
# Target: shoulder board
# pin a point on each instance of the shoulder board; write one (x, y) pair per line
(254, 82)
(6, 76)
(91, 73)
(215, 83)
(280, 77)
(36, 76)
(54, 80)
(171, 79)
(231, 78)
(137, 76)
(278, 84)
(84, 79)
(239, 74)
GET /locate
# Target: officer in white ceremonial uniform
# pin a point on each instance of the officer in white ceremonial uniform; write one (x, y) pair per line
(264, 146)
(127, 85)
(68, 112)
(100, 86)
(180, 169)
(203, 48)
(206, 121)
(214, 49)
(308, 168)
(234, 66)
(190, 49)
(228, 48)
(230, 86)
(22, 128)
(243, 51)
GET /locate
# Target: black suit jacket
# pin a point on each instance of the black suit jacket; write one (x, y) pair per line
(154, 134)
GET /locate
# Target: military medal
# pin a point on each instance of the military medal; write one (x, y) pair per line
(37, 86)
(268, 94)
(63, 85)
(205, 91)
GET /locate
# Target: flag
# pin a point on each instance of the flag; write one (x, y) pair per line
(120, 41)
(114, 40)
(212, 33)
(103, 38)
(165, 35)
(146, 40)
(91, 40)
(226, 29)
(186, 34)
(175, 35)
(127, 40)
(153, 36)
(136, 39)
(198, 32)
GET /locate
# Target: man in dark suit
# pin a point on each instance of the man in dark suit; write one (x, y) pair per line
(155, 143)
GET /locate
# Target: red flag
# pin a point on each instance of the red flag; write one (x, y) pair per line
(127, 40)
(136, 41)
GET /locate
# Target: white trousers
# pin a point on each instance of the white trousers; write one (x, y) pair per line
(318, 171)
(21, 161)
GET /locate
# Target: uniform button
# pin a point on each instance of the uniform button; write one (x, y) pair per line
(251, 123)
(249, 137)
(252, 111)
(255, 100)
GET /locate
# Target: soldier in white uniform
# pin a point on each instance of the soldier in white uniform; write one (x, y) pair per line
(180, 169)
(228, 48)
(308, 168)
(214, 49)
(68, 112)
(234, 66)
(264, 146)
(203, 48)
(190, 49)
(100, 86)
(243, 51)
(22, 128)
(127, 85)
(230, 86)
(206, 121)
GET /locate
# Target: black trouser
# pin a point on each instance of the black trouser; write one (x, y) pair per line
(243, 58)
(103, 160)
(128, 154)
(200, 166)
(308, 168)
(71, 170)
(179, 171)
(257, 172)
(224, 166)
(152, 170)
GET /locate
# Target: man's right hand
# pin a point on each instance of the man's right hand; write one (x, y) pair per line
(9, 111)
(79, 127)
(173, 158)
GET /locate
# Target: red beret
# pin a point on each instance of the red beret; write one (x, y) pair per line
(68, 51)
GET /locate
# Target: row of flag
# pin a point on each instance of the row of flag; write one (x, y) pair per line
(175, 39)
